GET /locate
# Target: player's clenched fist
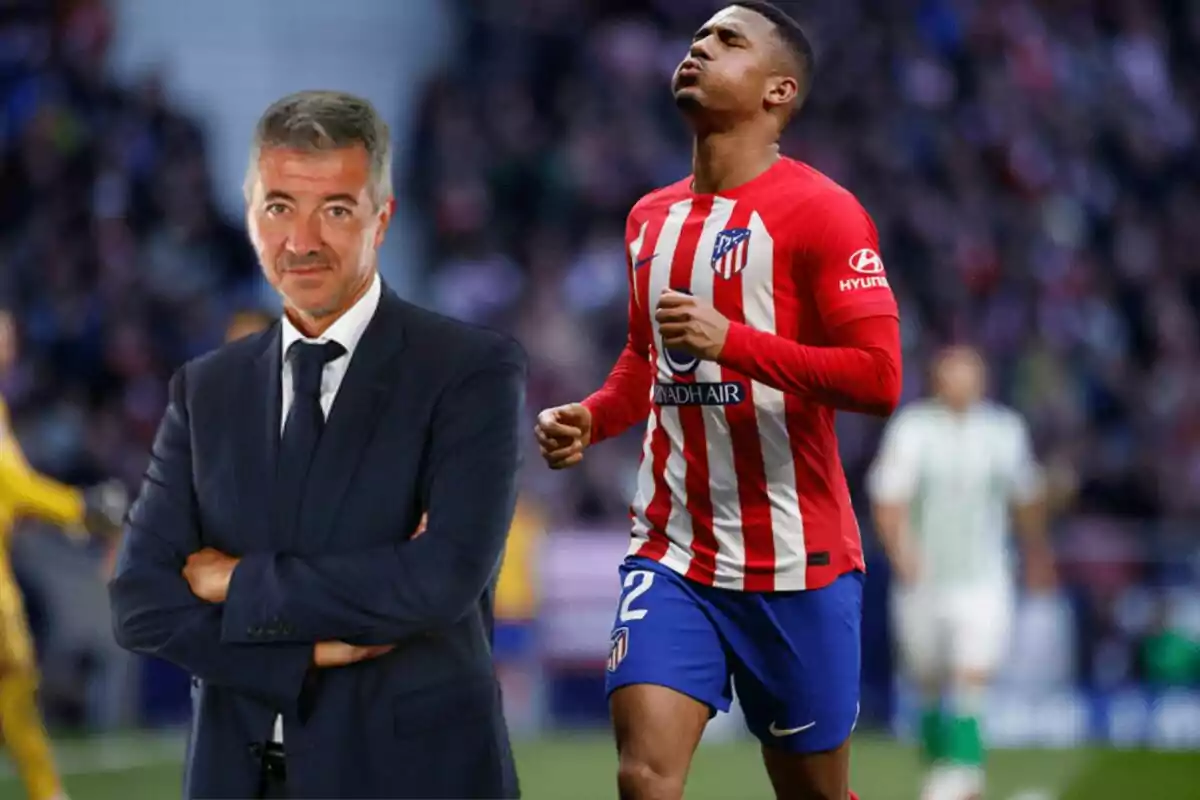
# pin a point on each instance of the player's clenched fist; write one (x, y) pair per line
(688, 324)
(563, 433)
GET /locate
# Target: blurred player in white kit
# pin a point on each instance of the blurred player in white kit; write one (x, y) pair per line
(953, 471)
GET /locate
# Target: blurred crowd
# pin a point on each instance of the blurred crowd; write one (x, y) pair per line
(112, 252)
(1032, 168)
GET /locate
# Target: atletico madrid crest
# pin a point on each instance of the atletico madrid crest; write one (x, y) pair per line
(731, 252)
(620, 646)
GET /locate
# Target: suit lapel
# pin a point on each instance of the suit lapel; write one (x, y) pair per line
(353, 417)
(255, 411)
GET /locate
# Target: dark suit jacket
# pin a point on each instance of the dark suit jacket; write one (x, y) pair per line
(426, 418)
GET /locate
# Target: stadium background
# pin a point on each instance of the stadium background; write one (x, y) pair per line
(1032, 166)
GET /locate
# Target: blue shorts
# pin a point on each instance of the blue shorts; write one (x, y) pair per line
(794, 657)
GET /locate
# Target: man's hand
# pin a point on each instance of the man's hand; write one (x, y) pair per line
(563, 433)
(687, 324)
(208, 572)
(421, 525)
(340, 654)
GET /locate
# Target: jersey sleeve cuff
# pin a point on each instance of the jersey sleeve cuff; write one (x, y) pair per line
(738, 350)
(592, 404)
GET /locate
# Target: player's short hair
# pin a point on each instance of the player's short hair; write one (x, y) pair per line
(794, 38)
(321, 120)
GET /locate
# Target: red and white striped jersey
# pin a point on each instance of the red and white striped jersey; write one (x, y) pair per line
(740, 484)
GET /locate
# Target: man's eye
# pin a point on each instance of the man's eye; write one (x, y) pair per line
(339, 212)
(276, 208)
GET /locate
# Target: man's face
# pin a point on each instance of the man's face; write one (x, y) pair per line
(315, 227)
(959, 377)
(730, 64)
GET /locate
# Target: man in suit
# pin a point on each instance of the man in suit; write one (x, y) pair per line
(272, 551)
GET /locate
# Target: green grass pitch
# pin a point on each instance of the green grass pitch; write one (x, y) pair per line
(581, 767)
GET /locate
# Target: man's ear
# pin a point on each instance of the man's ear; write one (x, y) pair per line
(782, 91)
(385, 219)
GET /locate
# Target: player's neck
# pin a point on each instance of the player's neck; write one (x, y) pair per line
(726, 159)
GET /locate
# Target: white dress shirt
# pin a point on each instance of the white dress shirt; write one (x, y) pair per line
(346, 331)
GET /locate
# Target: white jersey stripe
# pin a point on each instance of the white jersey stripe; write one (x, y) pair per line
(644, 492)
(660, 277)
(679, 522)
(722, 475)
(758, 304)
(645, 476)
(634, 249)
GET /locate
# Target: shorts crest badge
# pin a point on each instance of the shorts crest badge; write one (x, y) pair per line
(620, 646)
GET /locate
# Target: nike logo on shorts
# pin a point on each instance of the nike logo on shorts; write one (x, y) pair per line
(779, 732)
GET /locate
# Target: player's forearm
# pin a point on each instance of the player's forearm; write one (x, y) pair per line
(890, 528)
(1031, 530)
(624, 399)
(859, 371)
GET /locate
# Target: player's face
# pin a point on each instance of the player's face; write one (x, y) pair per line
(8, 342)
(315, 227)
(730, 67)
(959, 377)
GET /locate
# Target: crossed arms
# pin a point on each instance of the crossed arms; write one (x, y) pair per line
(379, 595)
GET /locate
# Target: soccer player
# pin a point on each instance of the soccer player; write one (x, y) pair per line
(23, 492)
(949, 470)
(758, 308)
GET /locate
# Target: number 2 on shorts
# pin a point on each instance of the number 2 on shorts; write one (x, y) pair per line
(637, 583)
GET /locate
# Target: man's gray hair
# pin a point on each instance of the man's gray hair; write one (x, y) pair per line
(320, 120)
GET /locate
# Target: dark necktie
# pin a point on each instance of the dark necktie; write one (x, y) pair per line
(302, 430)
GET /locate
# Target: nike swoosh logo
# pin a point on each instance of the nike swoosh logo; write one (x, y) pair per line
(641, 262)
(789, 731)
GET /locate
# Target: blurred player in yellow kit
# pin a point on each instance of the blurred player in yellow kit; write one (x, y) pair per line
(26, 494)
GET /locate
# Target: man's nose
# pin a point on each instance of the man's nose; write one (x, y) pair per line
(305, 237)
